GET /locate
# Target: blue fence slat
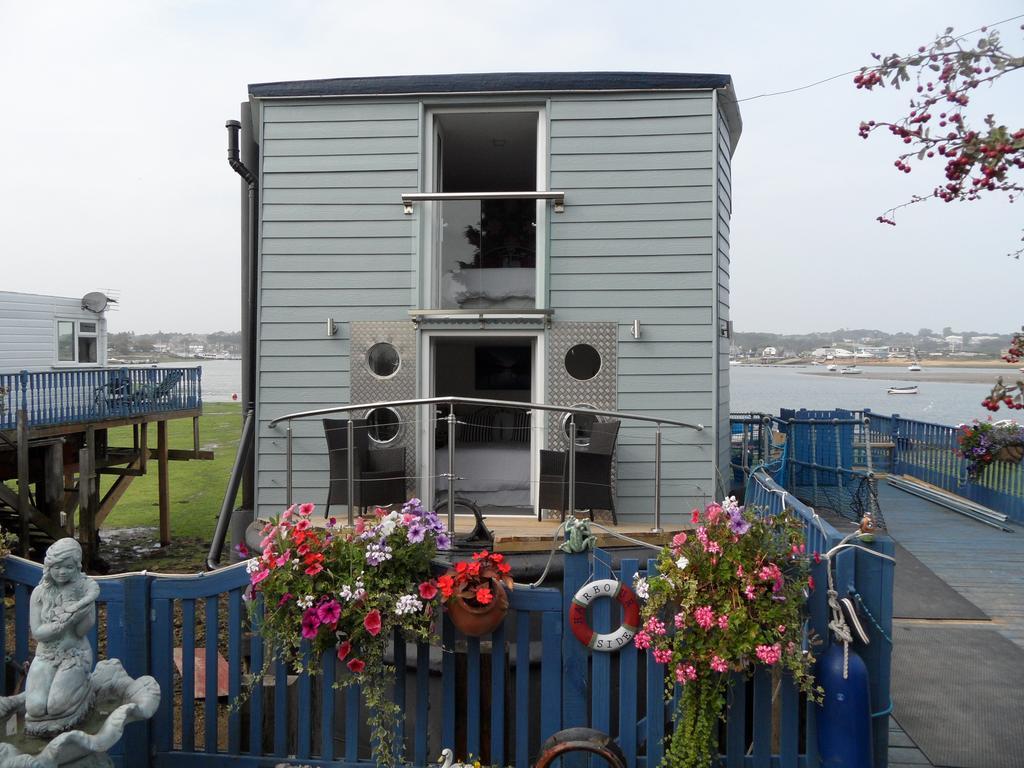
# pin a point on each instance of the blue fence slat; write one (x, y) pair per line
(551, 689)
(574, 654)
(655, 701)
(523, 707)
(497, 697)
(601, 663)
(422, 703)
(400, 673)
(328, 667)
(736, 727)
(473, 697)
(188, 675)
(280, 708)
(762, 717)
(447, 684)
(163, 670)
(352, 723)
(256, 660)
(234, 670)
(789, 726)
(211, 627)
(304, 691)
(628, 692)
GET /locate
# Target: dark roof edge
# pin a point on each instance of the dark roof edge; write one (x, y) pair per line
(495, 82)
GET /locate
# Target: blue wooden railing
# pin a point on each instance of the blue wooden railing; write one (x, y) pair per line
(49, 398)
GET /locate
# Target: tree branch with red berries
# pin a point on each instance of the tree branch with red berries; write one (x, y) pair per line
(980, 156)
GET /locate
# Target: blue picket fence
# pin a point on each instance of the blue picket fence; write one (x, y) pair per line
(497, 698)
(50, 398)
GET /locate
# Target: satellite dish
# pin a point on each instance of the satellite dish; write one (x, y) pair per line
(96, 301)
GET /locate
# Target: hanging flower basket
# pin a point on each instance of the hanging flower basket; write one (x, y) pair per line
(983, 442)
(476, 593)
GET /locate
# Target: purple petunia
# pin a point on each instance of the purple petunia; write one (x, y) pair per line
(416, 532)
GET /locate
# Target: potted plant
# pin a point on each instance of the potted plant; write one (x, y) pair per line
(348, 591)
(983, 442)
(475, 592)
(727, 597)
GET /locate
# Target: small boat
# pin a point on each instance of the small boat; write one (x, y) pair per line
(831, 367)
(913, 367)
(903, 390)
(851, 369)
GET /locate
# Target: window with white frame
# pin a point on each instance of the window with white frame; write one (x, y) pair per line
(77, 341)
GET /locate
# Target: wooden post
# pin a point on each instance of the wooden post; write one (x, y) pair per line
(23, 480)
(163, 481)
(144, 446)
(52, 501)
(86, 479)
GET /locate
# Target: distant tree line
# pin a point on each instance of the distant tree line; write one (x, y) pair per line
(131, 344)
(925, 341)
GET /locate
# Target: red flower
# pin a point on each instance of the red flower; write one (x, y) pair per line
(461, 566)
(504, 567)
(372, 623)
(343, 650)
(447, 585)
(473, 569)
(356, 666)
(427, 590)
(314, 569)
(695, 517)
(810, 583)
(483, 595)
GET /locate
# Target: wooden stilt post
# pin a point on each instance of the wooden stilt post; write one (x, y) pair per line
(163, 482)
(144, 445)
(86, 510)
(52, 501)
(23, 502)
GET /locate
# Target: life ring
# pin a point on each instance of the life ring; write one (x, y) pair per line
(608, 641)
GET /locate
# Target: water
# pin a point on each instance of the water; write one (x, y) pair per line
(946, 395)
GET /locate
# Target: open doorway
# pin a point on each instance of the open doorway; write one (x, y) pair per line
(493, 457)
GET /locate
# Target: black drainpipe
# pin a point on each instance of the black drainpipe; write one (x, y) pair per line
(249, 282)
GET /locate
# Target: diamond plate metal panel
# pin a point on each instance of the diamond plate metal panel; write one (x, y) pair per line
(366, 387)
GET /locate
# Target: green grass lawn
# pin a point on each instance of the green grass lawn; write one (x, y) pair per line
(196, 487)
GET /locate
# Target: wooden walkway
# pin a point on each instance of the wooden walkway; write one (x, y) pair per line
(983, 564)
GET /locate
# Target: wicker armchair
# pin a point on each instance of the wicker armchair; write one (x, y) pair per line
(379, 472)
(593, 473)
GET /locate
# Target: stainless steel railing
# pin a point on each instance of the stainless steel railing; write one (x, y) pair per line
(350, 410)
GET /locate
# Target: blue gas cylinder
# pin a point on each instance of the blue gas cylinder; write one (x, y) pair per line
(844, 717)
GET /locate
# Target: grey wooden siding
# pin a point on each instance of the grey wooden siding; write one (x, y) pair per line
(335, 243)
(636, 241)
(28, 330)
(724, 214)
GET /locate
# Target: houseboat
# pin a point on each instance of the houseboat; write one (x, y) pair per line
(547, 238)
(58, 399)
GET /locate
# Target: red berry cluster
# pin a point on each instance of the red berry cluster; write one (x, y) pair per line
(1011, 397)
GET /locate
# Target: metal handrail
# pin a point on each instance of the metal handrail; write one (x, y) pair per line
(409, 198)
(450, 400)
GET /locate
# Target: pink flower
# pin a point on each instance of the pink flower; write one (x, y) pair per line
(704, 616)
(343, 650)
(655, 626)
(303, 524)
(713, 547)
(713, 510)
(718, 664)
(768, 654)
(810, 583)
(282, 560)
(685, 673)
(288, 512)
(740, 573)
(306, 509)
(314, 569)
(428, 590)
(642, 640)
(329, 612)
(749, 592)
(663, 655)
(355, 666)
(695, 517)
(679, 620)
(259, 576)
(372, 622)
(723, 622)
(360, 525)
(679, 539)
(284, 599)
(310, 624)
(782, 629)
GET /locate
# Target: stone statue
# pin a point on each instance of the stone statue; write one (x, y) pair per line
(62, 686)
(62, 611)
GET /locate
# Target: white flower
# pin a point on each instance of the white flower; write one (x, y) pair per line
(730, 504)
(682, 562)
(252, 565)
(408, 604)
(387, 524)
(305, 602)
(640, 586)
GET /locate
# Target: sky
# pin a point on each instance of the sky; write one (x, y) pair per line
(113, 148)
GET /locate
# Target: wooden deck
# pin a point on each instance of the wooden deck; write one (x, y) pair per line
(983, 564)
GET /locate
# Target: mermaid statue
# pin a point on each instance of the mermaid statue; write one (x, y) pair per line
(58, 693)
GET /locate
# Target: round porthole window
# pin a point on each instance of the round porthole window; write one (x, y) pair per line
(582, 362)
(382, 424)
(584, 421)
(383, 360)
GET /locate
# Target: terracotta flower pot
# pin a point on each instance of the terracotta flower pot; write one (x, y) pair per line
(1010, 453)
(477, 620)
